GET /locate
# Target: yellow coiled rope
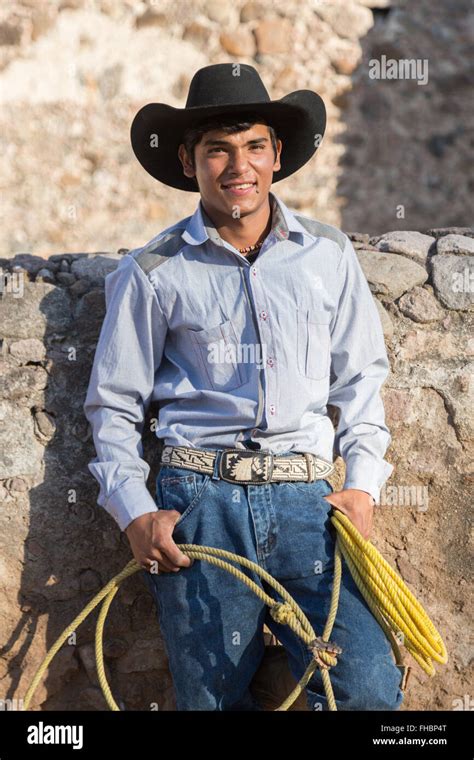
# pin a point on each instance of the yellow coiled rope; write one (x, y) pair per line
(393, 605)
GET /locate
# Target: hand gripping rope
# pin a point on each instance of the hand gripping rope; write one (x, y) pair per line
(390, 601)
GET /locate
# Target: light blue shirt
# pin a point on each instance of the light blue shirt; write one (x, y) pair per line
(234, 352)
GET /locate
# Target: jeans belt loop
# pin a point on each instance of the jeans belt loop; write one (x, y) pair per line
(215, 473)
(310, 465)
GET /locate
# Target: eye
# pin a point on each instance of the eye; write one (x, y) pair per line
(254, 147)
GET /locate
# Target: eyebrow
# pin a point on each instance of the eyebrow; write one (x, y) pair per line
(226, 142)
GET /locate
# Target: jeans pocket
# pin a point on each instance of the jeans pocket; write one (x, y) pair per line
(180, 489)
(307, 488)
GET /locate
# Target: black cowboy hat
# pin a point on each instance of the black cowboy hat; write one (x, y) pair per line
(226, 88)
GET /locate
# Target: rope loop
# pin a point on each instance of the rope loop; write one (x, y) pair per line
(391, 602)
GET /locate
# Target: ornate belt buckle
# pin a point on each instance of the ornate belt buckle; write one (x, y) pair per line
(237, 466)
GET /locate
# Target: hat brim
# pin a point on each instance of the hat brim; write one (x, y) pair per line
(299, 119)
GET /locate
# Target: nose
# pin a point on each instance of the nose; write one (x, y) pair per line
(238, 162)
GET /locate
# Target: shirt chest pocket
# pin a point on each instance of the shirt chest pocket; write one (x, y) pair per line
(313, 343)
(217, 356)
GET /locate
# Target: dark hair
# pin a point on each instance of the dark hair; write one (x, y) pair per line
(229, 124)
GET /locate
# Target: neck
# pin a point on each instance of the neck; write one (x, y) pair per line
(245, 231)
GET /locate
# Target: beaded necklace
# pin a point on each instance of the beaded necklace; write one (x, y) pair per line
(250, 248)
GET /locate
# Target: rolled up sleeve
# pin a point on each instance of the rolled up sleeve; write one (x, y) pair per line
(121, 384)
(359, 366)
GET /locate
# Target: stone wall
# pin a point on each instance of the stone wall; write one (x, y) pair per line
(73, 73)
(57, 548)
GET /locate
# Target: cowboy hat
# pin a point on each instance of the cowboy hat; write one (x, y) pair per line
(217, 90)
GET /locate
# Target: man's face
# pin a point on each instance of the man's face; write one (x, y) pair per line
(223, 161)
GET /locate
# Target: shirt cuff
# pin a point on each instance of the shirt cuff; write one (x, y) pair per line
(129, 501)
(362, 473)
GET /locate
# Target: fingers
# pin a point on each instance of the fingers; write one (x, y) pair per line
(341, 509)
(153, 546)
(163, 540)
(158, 563)
(164, 549)
(158, 560)
(174, 554)
(332, 501)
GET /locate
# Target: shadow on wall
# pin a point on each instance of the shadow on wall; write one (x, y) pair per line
(51, 445)
(407, 140)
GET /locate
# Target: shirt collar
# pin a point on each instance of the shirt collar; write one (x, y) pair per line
(200, 227)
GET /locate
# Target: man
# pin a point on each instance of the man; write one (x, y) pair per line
(243, 321)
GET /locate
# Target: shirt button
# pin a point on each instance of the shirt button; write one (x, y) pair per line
(272, 408)
(263, 314)
(254, 271)
(270, 362)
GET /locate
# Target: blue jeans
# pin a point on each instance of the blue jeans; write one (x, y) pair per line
(212, 623)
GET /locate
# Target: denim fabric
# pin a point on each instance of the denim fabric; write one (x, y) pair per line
(212, 623)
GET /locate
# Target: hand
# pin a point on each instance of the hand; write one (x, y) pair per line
(357, 505)
(151, 541)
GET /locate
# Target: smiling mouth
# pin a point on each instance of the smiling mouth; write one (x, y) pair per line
(241, 186)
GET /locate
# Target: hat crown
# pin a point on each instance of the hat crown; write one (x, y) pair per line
(226, 84)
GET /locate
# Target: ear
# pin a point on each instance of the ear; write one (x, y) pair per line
(188, 168)
(277, 164)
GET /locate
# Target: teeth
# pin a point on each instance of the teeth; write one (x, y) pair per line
(239, 187)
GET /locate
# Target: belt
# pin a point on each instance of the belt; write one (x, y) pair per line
(243, 466)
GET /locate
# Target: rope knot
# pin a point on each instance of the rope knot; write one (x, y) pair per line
(324, 652)
(282, 613)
